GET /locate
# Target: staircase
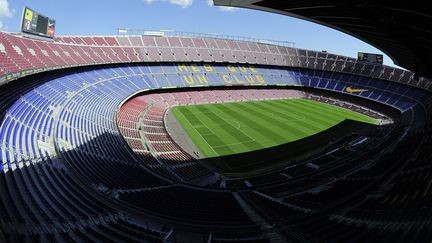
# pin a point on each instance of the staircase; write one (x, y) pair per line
(265, 226)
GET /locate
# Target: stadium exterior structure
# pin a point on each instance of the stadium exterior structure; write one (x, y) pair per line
(69, 174)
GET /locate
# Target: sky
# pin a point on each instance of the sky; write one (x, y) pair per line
(104, 17)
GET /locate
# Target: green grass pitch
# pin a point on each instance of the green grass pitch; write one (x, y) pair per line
(230, 128)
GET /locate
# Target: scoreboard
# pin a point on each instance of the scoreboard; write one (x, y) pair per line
(370, 57)
(37, 24)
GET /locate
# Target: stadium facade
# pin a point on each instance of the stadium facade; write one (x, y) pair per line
(86, 155)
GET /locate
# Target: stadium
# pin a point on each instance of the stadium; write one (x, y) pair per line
(165, 137)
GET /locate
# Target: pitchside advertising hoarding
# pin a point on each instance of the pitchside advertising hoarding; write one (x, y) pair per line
(370, 57)
(37, 24)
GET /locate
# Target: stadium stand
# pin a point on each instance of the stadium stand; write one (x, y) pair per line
(86, 156)
(378, 18)
(72, 51)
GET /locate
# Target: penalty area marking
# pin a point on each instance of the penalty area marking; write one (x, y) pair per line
(200, 133)
(214, 124)
(238, 125)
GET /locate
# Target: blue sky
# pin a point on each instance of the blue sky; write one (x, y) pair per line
(103, 17)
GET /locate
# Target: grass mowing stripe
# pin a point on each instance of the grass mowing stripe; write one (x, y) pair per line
(313, 118)
(240, 131)
(218, 136)
(213, 135)
(205, 118)
(240, 139)
(223, 129)
(264, 130)
(259, 122)
(321, 113)
(344, 112)
(279, 126)
(290, 116)
(341, 112)
(252, 131)
(306, 123)
(200, 140)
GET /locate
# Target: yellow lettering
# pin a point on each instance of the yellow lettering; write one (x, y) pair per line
(188, 79)
(208, 68)
(182, 68)
(250, 79)
(253, 69)
(242, 69)
(232, 69)
(195, 68)
(260, 79)
(202, 79)
(238, 80)
(226, 79)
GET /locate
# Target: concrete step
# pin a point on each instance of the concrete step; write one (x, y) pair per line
(265, 226)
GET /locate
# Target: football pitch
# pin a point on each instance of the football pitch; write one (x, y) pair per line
(231, 128)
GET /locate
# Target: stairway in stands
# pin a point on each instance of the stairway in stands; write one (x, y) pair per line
(264, 225)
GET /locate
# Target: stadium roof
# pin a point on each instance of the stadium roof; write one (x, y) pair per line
(401, 29)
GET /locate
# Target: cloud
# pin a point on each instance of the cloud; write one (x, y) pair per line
(227, 9)
(187, 3)
(222, 8)
(5, 12)
(181, 3)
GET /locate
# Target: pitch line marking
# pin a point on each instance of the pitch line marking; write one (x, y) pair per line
(250, 139)
(236, 122)
(238, 126)
(199, 133)
(212, 133)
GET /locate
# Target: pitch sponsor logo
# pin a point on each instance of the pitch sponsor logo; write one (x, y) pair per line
(352, 90)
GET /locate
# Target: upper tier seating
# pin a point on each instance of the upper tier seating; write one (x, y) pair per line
(21, 55)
